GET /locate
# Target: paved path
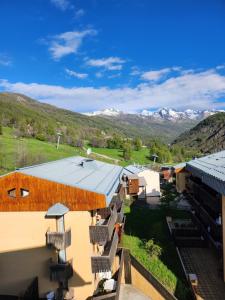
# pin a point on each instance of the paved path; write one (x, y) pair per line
(129, 292)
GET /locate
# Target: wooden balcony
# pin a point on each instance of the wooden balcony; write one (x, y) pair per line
(103, 263)
(61, 272)
(207, 220)
(103, 230)
(60, 240)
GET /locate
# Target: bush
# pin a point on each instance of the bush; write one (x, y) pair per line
(153, 250)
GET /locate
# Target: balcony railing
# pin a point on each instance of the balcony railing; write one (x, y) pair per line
(120, 215)
(60, 240)
(103, 263)
(60, 272)
(102, 232)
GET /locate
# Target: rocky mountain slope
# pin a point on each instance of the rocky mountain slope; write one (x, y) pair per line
(207, 137)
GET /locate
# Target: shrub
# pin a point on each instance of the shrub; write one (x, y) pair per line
(153, 250)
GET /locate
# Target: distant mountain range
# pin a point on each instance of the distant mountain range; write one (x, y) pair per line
(162, 114)
(42, 120)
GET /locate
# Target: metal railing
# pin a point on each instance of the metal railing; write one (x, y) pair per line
(101, 233)
(60, 240)
(60, 272)
(103, 263)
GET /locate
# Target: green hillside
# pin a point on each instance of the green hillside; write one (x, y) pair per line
(207, 137)
(31, 118)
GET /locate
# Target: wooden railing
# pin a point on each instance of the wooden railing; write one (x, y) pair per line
(113, 295)
(103, 263)
(61, 272)
(103, 232)
(60, 240)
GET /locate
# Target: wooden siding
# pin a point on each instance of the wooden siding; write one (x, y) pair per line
(44, 193)
(133, 186)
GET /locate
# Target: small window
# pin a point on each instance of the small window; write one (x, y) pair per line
(12, 193)
(24, 193)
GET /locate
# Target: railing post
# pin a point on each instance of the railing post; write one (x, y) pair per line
(127, 267)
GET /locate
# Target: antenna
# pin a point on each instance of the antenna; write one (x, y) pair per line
(59, 134)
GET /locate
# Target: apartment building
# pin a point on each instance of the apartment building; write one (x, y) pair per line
(203, 180)
(60, 224)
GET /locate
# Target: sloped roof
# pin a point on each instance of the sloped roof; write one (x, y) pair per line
(210, 169)
(77, 171)
(133, 169)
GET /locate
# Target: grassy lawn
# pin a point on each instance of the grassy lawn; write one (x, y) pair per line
(142, 223)
(11, 146)
(139, 157)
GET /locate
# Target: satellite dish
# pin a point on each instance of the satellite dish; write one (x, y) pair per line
(89, 151)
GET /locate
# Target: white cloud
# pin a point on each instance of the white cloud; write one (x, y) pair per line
(5, 60)
(68, 42)
(99, 74)
(158, 74)
(200, 90)
(109, 63)
(79, 13)
(61, 4)
(76, 74)
(135, 71)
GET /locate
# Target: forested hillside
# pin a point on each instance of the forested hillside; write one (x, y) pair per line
(207, 137)
(31, 118)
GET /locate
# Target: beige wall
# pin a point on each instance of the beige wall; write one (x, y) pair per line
(24, 255)
(23, 251)
(152, 180)
(181, 181)
(144, 286)
(82, 283)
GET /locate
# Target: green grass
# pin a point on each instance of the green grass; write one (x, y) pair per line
(148, 224)
(11, 146)
(139, 157)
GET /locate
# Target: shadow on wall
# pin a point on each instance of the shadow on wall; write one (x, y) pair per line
(18, 269)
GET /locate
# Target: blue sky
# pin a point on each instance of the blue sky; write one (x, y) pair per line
(128, 54)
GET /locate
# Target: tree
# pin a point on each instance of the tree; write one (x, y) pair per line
(153, 250)
(137, 144)
(127, 151)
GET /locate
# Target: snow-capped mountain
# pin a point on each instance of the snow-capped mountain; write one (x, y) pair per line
(105, 112)
(162, 114)
(170, 114)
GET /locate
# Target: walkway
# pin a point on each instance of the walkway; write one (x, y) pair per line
(206, 266)
(129, 292)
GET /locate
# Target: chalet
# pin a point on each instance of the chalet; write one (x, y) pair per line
(60, 222)
(204, 181)
(149, 182)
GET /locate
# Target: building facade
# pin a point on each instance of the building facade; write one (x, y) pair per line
(60, 222)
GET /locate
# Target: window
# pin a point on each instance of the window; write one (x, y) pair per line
(12, 193)
(24, 193)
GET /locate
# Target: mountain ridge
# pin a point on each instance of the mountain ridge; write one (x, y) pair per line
(207, 137)
(161, 114)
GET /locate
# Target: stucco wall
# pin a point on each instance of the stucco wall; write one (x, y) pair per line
(82, 283)
(143, 285)
(23, 251)
(152, 180)
(24, 255)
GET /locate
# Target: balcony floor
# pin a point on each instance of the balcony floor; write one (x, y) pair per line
(205, 265)
(129, 292)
